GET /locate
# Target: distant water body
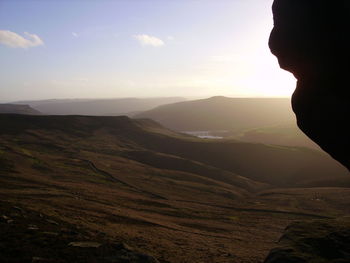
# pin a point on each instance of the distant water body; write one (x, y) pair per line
(204, 134)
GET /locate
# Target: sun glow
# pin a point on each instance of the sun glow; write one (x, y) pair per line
(223, 52)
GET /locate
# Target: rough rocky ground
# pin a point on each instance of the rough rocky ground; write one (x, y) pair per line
(29, 236)
(319, 241)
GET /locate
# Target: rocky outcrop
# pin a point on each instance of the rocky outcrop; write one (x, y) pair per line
(310, 39)
(321, 241)
(29, 236)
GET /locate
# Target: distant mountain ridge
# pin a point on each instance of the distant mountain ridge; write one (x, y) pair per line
(222, 113)
(255, 120)
(98, 107)
(18, 109)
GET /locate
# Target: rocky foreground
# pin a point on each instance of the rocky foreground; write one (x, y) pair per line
(29, 236)
(318, 241)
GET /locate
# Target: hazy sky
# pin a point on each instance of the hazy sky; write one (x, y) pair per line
(137, 48)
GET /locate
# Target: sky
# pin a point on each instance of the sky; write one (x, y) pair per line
(138, 48)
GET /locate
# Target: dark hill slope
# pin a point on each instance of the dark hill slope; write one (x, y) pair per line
(18, 109)
(85, 138)
(222, 113)
(147, 142)
(105, 180)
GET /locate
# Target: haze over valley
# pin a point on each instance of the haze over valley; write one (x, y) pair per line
(257, 120)
(139, 182)
(159, 132)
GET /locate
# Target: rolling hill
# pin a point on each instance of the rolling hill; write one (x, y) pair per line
(18, 109)
(259, 120)
(222, 113)
(289, 135)
(147, 142)
(107, 189)
(98, 107)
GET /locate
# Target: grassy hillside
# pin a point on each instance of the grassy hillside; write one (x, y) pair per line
(71, 179)
(222, 113)
(88, 140)
(147, 142)
(289, 135)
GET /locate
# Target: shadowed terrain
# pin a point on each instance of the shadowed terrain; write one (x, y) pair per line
(107, 181)
(320, 241)
(18, 109)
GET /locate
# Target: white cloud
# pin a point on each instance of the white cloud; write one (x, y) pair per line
(146, 40)
(74, 34)
(14, 40)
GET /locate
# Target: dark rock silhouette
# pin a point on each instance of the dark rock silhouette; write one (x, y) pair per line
(310, 39)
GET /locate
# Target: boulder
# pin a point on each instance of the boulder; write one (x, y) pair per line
(319, 241)
(310, 39)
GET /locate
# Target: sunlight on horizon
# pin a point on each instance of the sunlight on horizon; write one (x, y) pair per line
(138, 49)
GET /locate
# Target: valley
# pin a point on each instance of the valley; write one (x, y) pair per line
(177, 198)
